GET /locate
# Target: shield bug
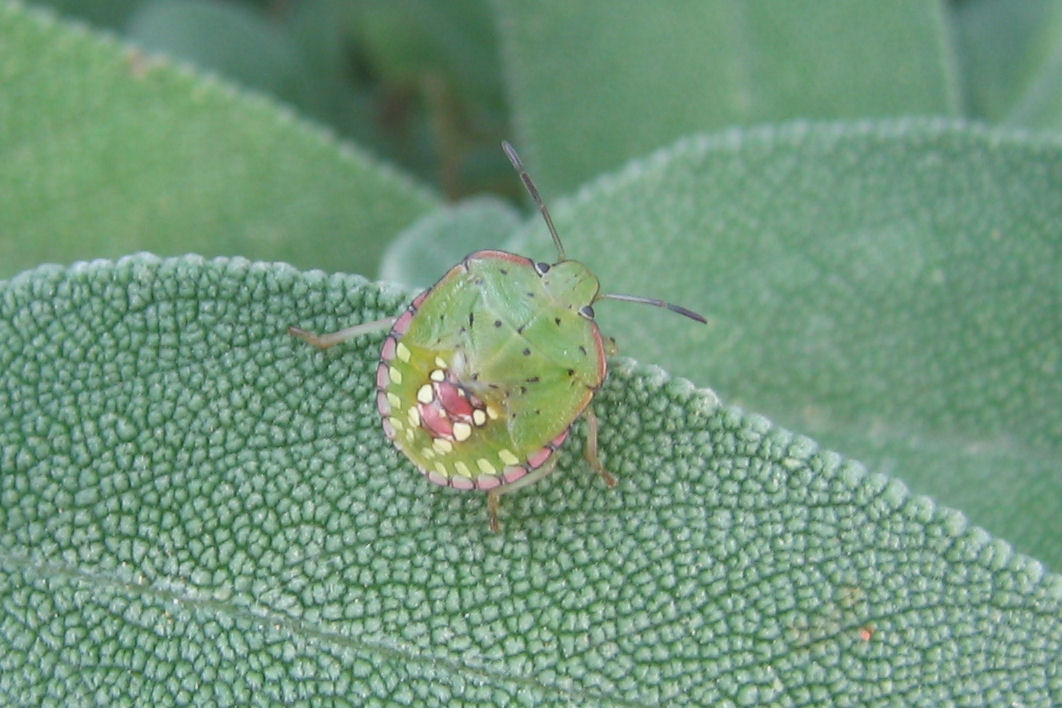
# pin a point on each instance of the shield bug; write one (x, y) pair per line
(483, 375)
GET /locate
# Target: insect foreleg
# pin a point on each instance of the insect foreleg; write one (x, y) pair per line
(330, 339)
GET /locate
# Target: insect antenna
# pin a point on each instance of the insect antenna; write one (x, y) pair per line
(529, 184)
(685, 312)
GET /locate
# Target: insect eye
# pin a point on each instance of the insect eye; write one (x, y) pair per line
(541, 268)
(587, 312)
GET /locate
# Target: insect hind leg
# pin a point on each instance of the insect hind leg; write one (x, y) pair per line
(494, 495)
(590, 452)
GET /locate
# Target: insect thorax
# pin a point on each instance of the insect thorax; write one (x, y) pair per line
(570, 283)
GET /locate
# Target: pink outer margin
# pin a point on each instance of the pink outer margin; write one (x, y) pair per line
(509, 475)
(499, 255)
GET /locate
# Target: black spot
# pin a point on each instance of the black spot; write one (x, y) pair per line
(530, 294)
(497, 323)
(587, 311)
(582, 349)
(557, 320)
(503, 271)
(533, 379)
(541, 268)
(471, 318)
(527, 352)
(520, 329)
(571, 372)
(523, 390)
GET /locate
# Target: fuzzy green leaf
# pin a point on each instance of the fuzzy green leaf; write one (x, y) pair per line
(891, 288)
(594, 84)
(105, 150)
(198, 507)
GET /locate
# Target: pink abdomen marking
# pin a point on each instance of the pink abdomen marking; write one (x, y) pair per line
(447, 410)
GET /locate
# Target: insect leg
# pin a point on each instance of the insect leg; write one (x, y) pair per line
(494, 495)
(590, 452)
(324, 341)
(493, 504)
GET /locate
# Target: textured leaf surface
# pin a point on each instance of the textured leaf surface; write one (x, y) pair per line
(104, 151)
(592, 85)
(892, 289)
(196, 506)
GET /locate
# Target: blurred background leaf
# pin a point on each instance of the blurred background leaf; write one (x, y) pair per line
(584, 86)
(653, 72)
(435, 243)
(1012, 61)
(106, 150)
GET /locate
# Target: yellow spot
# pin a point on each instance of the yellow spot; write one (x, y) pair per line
(427, 453)
(479, 417)
(397, 423)
(402, 351)
(441, 469)
(425, 394)
(485, 466)
(411, 433)
(493, 412)
(508, 457)
(437, 375)
(395, 374)
(394, 400)
(439, 362)
(442, 446)
(462, 431)
(462, 469)
(414, 416)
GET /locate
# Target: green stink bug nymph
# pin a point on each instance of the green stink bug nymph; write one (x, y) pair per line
(482, 376)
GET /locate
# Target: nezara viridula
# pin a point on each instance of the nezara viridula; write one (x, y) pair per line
(483, 375)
